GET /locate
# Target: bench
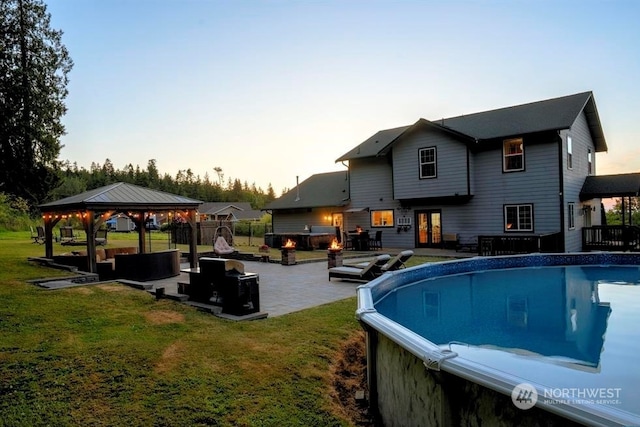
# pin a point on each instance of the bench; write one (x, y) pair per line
(450, 240)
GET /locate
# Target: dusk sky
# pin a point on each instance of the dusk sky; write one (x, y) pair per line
(271, 90)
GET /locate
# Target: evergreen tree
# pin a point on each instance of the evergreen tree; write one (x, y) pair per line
(34, 65)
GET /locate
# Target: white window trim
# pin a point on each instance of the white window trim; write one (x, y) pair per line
(517, 206)
(569, 153)
(435, 162)
(505, 156)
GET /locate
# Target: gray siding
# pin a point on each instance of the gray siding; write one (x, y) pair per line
(574, 179)
(295, 222)
(451, 163)
(371, 187)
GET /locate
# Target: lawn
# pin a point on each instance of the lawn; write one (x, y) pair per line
(111, 355)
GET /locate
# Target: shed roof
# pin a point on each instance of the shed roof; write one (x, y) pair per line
(551, 114)
(320, 190)
(121, 195)
(607, 186)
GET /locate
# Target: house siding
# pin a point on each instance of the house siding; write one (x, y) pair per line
(451, 165)
(371, 186)
(296, 221)
(574, 179)
(470, 188)
(538, 185)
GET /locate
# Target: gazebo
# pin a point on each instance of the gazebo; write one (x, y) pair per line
(94, 207)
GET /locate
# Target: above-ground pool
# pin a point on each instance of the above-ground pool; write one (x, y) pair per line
(554, 335)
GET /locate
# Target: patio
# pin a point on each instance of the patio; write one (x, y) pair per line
(283, 289)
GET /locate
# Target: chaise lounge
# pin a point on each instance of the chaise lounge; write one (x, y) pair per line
(394, 263)
(371, 271)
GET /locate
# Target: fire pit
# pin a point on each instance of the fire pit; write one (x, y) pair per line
(288, 252)
(334, 254)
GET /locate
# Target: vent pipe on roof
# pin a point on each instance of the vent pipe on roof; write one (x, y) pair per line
(297, 189)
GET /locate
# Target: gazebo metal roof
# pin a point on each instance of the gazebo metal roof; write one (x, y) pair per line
(121, 196)
(117, 197)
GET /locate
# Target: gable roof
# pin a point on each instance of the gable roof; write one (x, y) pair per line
(551, 114)
(240, 210)
(121, 195)
(607, 186)
(320, 190)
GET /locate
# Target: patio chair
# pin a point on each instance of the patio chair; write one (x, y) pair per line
(66, 235)
(347, 243)
(221, 247)
(371, 271)
(39, 236)
(101, 237)
(376, 242)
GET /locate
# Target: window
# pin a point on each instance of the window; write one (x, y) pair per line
(589, 162)
(569, 153)
(428, 162)
(513, 155)
(571, 211)
(382, 218)
(518, 218)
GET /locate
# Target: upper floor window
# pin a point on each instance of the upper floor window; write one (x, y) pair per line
(589, 162)
(569, 153)
(518, 218)
(428, 162)
(513, 155)
(382, 218)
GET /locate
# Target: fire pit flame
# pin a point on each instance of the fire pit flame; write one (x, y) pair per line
(289, 244)
(335, 246)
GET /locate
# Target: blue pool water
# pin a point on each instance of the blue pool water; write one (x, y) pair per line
(571, 329)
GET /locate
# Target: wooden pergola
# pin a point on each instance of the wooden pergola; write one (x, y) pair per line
(94, 207)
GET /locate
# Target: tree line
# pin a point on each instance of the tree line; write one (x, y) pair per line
(34, 68)
(75, 180)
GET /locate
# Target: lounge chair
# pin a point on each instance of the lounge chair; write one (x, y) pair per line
(221, 247)
(398, 261)
(371, 271)
(394, 263)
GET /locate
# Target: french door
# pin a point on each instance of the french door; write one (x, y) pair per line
(429, 229)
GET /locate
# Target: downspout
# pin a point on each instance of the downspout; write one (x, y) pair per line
(348, 178)
(469, 172)
(561, 192)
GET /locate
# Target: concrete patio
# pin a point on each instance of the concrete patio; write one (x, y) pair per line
(289, 288)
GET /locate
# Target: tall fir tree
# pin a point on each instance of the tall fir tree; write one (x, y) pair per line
(34, 68)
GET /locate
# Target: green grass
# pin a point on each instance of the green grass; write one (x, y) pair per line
(111, 355)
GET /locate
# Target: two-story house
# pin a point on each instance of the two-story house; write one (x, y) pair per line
(516, 171)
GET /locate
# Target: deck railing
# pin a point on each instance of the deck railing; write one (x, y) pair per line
(507, 244)
(611, 238)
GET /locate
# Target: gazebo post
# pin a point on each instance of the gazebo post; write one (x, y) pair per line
(193, 241)
(48, 233)
(141, 232)
(89, 228)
